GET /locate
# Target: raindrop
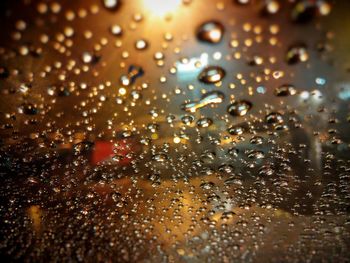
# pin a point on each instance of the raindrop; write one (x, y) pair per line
(297, 53)
(304, 11)
(254, 154)
(285, 90)
(141, 44)
(160, 157)
(274, 118)
(111, 5)
(89, 58)
(242, 2)
(187, 119)
(233, 152)
(239, 108)
(28, 109)
(233, 180)
(207, 185)
(134, 72)
(214, 97)
(210, 32)
(212, 74)
(116, 30)
(4, 73)
(235, 130)
(204, 122)
(226, 168)
(271, 7)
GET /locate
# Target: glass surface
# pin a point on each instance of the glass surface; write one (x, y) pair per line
(175, 131)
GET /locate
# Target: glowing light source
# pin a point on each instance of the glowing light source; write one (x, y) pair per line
(161, 7)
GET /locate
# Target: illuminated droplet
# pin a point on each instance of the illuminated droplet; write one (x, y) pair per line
(212, 74)
(239, 108)
(214, 97)
(111, 5)
(296, 54)
(210, 32)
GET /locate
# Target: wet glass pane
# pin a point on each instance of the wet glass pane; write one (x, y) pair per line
(175, 131)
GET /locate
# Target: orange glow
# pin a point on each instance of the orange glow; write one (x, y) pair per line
(161, 7)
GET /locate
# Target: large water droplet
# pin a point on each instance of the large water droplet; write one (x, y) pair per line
(304, 11)
(274, 117)
(210, 32)
(187, 119)
(242, 2)
(214, 97)
(239, 108)
(116, 30)
(28, 109)
(111, 5)
(134, 72)
(212, 74)
(4, 73)
(204, 122)
(297, 53)
(141, 44)
(235, 130)
(285, 90)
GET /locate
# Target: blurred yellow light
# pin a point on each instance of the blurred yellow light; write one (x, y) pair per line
(177, 139)
(161, 7)
(122, 91)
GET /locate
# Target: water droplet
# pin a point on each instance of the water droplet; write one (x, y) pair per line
(233, 180)
(273, 118)
(285, 90)
(226, 168)
(187, 119)
(207, 185)
(134, 72)
(297, 53)
(235, 130)
(4, 73)
(304, 11)
(212, 74)
(28, 109)
(89, 58)
(256, 140)
(242, 2)
(254, 154)
(270, 7)
(214, 97)
(111, 5)
(239, 108)
(210, 32)
(141, 44)
(116, 30)
(160, 157)
(204, 122)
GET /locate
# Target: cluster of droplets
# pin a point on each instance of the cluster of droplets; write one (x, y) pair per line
(149, 153)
